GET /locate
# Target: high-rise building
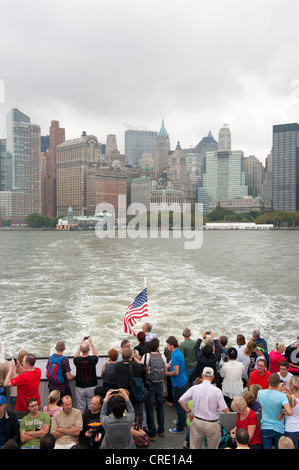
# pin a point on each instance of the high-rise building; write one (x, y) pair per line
(138, 142)
(267, 183)
(23, 172)
(224, 177)
(104, 185)
(285, 167)
(224, 139)
(254, 167)
(73, 157)
(49, 190)
(161, 150)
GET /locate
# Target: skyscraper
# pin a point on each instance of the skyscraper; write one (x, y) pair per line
(73, 159)
(137, 143)
(23, 174)
(161, 150)
(224, 177)
(49, 190)
(2, 164)
(285, 167)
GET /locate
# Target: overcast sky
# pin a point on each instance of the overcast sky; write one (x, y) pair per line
(105, 66)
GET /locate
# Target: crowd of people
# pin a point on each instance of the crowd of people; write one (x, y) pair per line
(198, 378)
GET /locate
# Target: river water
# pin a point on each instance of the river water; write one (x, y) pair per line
(65, 285)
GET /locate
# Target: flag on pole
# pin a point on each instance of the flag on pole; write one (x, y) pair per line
(137, 309)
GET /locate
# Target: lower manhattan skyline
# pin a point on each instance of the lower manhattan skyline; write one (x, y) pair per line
(110, 67)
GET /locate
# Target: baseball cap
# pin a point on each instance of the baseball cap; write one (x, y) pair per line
(208, 372)
(2, 400)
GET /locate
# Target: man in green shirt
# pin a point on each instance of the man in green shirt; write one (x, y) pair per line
(34, 425)
(187, 349)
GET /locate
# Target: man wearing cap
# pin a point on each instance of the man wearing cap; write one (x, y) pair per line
(207, 400)
(9, 425)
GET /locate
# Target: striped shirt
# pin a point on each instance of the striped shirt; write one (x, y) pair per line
(207, 400)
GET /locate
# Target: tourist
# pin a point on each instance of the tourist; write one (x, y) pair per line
(242, 439)
(232, 373)
(155, 364)
(250, 350)
(4, 368)
(246, 419)
(240, 346)
(108, 372)
(261, 342)
(142, 346)
(284, 373)
(285, 443)
(147, 329)
(27, 383)
(9, 424)
(47, 442)
(260, 375)
(33, 426)
(276, 356)
(207, 355)
(187, 349)
(60, 364)
(207, 400)
(176, 371)
(86, 373)
(292, 356)
(18, 370)
(52, 405)
(66, 424)
(92, 434)
(292, 422)
(169, 397)
(251, 400)
(125, 343)
(274, 405)
(118, 425)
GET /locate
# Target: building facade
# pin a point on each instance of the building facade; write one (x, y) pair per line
(285, 167)
(138, 142)
(74, 157)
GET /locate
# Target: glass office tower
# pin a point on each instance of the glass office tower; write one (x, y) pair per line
(285, 167)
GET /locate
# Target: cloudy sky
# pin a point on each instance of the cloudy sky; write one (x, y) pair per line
(105, 66)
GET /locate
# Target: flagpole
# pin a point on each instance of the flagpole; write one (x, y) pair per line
(145, 282)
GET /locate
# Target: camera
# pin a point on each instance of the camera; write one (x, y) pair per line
(85, 337)
(116, 391)
(208, 332)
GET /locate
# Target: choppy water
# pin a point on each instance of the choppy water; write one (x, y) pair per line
(63, 286)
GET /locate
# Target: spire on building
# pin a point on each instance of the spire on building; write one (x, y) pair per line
(163, 132)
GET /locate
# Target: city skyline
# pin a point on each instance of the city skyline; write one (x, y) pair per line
(117, 66)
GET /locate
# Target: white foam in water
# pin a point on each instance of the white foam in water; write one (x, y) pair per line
(65, 286)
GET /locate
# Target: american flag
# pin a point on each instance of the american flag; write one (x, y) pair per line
(137, 309)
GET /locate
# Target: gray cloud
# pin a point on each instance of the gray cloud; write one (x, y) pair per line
(110, 65)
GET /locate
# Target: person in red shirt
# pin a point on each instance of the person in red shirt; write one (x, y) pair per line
(261, 375)
(27, 383)
(276, 356)
(246, 419)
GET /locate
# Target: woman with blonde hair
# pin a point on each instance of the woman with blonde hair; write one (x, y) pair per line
(246, 419)
(276, 356)
(52, 406)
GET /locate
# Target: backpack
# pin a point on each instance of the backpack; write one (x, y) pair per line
(137, 387)
(156, 369)
(224, 440)
(54, 370)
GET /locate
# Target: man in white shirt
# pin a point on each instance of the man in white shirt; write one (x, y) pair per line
(207, 400)
(147, 329)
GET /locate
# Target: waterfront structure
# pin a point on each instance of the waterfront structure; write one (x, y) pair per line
(237, 226)
(285, 167)
(161, 150)
(138, 142)
(241, 205)
(224, 177)
(73, 158)
(23, 168)
(49, 188)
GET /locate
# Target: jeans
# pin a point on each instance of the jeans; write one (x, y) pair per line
(189, 373)
(294, 436)
(268, 437)
(155, 390)
(177, 392)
